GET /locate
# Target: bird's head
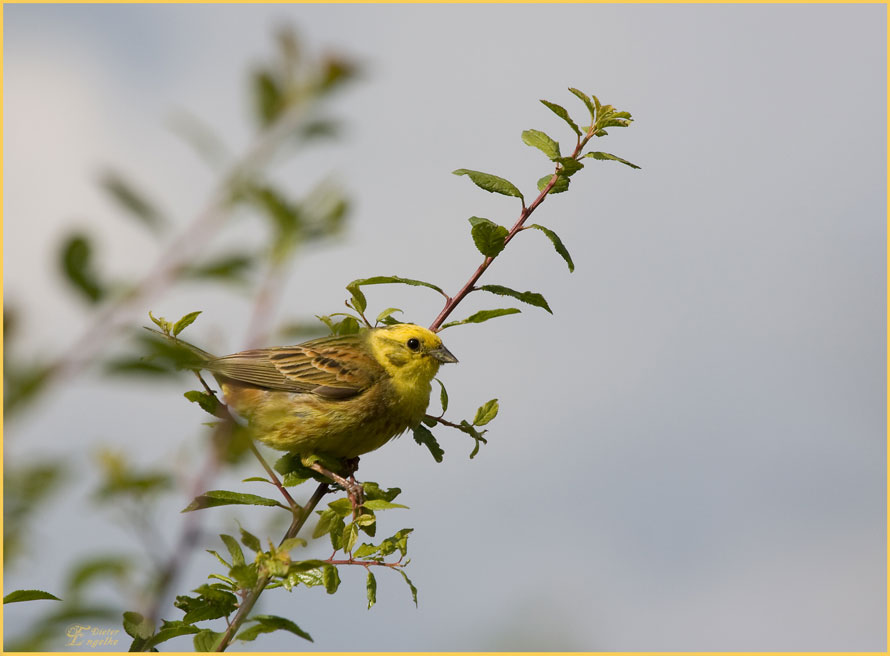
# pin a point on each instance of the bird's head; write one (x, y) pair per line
(409, 351)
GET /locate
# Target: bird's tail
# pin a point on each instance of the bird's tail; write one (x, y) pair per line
(187, 356)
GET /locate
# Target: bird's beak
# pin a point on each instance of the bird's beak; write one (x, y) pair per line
(443, 355)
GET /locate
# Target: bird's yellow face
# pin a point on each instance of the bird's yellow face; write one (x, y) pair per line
(409, 352)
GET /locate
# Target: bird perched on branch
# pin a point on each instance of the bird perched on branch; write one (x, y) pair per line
(340, 396)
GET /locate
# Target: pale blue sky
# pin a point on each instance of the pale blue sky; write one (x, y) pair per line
(691, 451)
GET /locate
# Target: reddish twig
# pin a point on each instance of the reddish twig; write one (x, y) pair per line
(470, 285)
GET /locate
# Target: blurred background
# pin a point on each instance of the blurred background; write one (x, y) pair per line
(690, 453)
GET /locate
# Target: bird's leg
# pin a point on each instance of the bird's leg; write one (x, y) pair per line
(353, 488)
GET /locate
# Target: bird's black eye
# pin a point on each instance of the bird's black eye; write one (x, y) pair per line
(413, 343)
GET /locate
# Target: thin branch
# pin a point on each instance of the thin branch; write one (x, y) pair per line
(251, 598)
(365, 563)
(526, 212)
(184, 248)
(274, 479)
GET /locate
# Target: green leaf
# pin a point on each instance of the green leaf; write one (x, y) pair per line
(532, 298)
(587, 102)
(490, 182)
(325, 522)
(103, 566)
(486, 413)
(397, 542)
(381, 504)
(539, 140)
(410, 586)
(353, 287)
(131, 200)
(443, 396)
(561, 184)
(488, 236)
(161, 323)
(422, 435)
(207, 640)
(268, 97)
(227, 498)
(28, 595)
(235, 548)
(372, 589)
(187, 320)
(483, 315)
(77, 265)
(570, 166)
(168, 631)
(374, 491)
(563, 114)
(350, 536)
(342, 507)
(331, 578)
(250, 541)
(386, 314)
(137, 626)
(208, 402)
(609, 156)
(270, 623)
(290, 544)
(231, 268)
(557, 244)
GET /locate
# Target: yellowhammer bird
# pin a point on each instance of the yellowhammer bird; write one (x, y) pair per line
(341, 396)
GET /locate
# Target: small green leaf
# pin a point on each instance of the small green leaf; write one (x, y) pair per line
(443, 396)
(137, 626)
(350, 536)
(374, 491)
(227, 498)
(290, 544)
(207, 640)
(483, 315)
(372, 589)
(563, 114)
(486, 413)
(331, 579)
(108, 566)
(561, 184)
(488, 236)
(532, 298)
(231, 268)
(208, 402)
(557, 244)
(490, 182)
(353, 287)
(250, 541)
(325, 522)
(381, 504)
(570, 166)
(268, 624)
(422, 435)
(168, 631)
(609, 156)
(410, 586)
(235, 548)
(587, 102)
(187, 320)
(28, 595)
(386, 314)
(342, 507)
(77, 265)
(539, 140)
(133, 201)
(161, 323)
